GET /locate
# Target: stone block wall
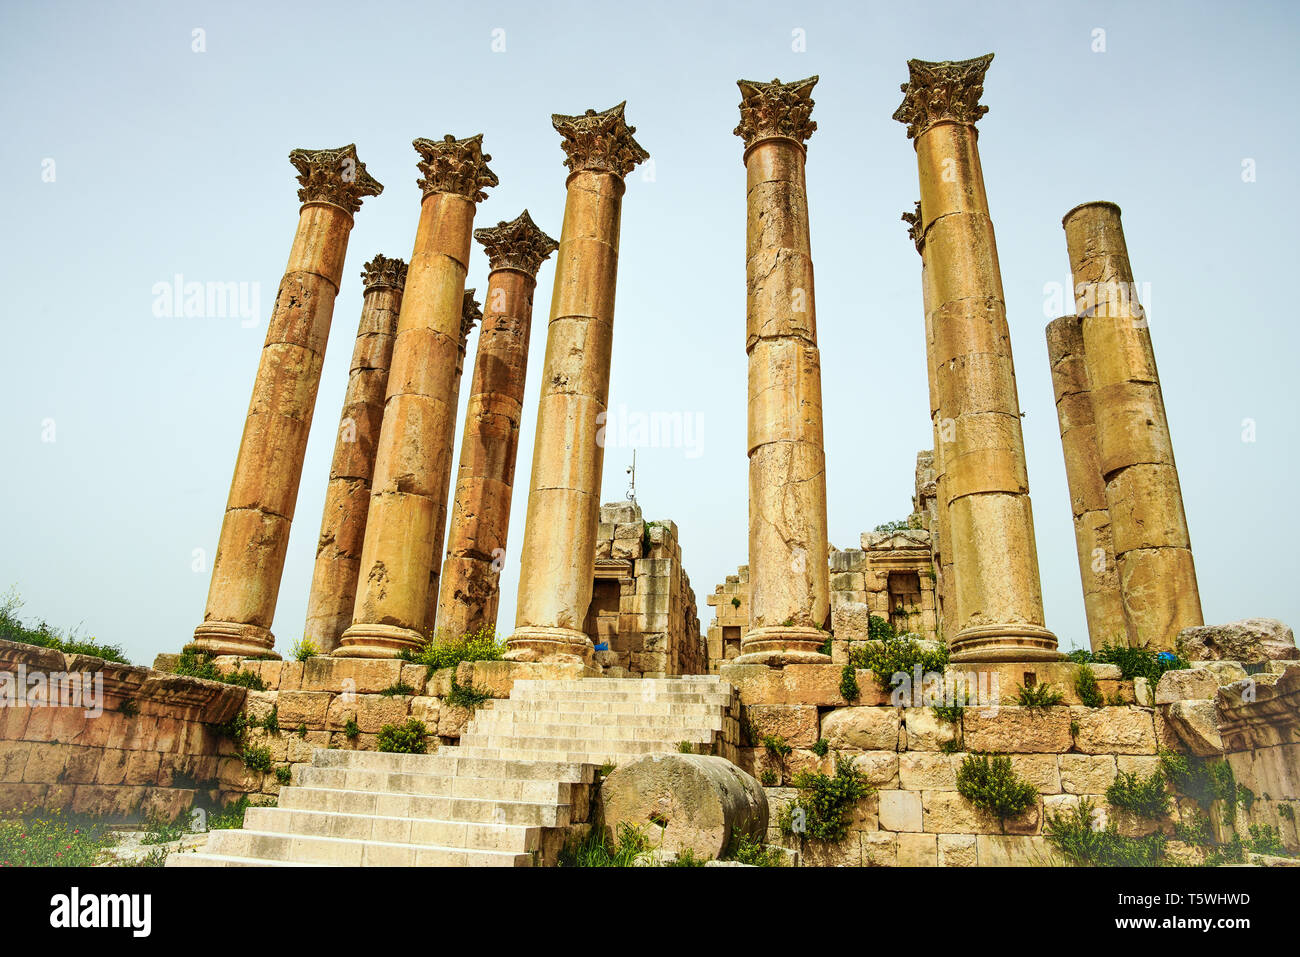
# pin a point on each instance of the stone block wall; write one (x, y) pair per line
(642, 606)
(730, 603)
(911, 757)
(137, 741)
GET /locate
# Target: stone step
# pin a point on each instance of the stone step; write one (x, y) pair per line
(451, 761)
(558, 723)
(482, 810)
(428, 785)
(421, 832)
(589, 742)
(683, 683)
(596, 756)
(202, 859)
(648, 708)
(348, 852)
(612, 695)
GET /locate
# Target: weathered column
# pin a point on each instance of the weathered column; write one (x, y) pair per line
(255, 530)
(789, 579)
(564, 495)
(999, 602)
(347, 497)
(941, 535)
(1152, 547)
(413, 461)
(1092, 532)
(470, 314)
(480, 518)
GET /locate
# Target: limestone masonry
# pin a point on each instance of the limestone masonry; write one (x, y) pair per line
(603, 703)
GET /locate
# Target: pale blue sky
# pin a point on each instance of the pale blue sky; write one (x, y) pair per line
(169, 161)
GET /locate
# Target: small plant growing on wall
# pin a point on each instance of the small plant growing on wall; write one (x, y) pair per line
(991, 784)
(1086, 687)
(304, 648)
(405, 738)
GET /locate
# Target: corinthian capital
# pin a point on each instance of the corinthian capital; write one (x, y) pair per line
(518, 244)
(383, 271)
(455, 166)
(936, 92)
(600, 142)
(333, 176)
(470, 313)
(776, 109)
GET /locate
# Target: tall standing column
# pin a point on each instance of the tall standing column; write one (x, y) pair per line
(480, 518)
(564, 495)
(1152, 546)
(413, 461)
(255, 530)
(788, 572)
(347, 497)
(999, 601)
(1102, 604)
(470, 314)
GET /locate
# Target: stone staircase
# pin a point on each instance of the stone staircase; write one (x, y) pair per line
(508, 795)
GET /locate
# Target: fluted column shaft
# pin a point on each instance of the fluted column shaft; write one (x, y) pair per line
(788, 571)
(469, 592)
(1135, 454)
(1107, 623)
(347, 496)
(413, 460)
(559, 545)
(254, 538)
(999, 604)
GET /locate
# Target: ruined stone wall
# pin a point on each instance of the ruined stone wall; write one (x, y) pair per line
(136, 742)
(642, 607)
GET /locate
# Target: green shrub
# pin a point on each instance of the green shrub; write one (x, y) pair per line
(824, 807)
(1038, 696)
(271, 723)
(1201, 780)
(230, 817)
(849, 688)
(1132, 662)
(1264, 839)
(200, 665)
(735, 602)
(777, 746)
(129, 708)
(303, 648)
(1085, 686)
(990, 783)
(825, 647)
(256, 758)
(892, 654)
(595, 850)
(767, 777)
(1286, 811)
(1234, 852)
(440, 652)
(820, 747)
(880, 629)
(301, 730)
(1145, 797)
(685, 747)
(1072, 834)
(466, 696)
(46, 636)
(398, 689)
(284, 774)
(952, 713)
(44, 838)
(756, 854)
(351, 730)
(402, 739)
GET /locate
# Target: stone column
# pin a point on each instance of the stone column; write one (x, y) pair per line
(1152, 547)
(470, 314)
(564, 495)
(941, 534)
(789, 579)
(480, 518)
(347, 497)
(413, 460)
(1092, 532)
(255, 530)
(999, 602)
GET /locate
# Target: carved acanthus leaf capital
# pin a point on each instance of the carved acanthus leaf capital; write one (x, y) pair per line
(776, 109)
(384, 271)
(947, 91)
(334, 176)
(599, 142)
(454, 166)
(915, 227)
(470, 313)
(518, 244)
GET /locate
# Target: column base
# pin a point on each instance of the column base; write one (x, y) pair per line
(377, 641)
(782, 645)
(1004, 643)
(549, 644)
(233, 638)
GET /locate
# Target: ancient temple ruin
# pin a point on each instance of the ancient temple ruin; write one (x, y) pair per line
(605, 665)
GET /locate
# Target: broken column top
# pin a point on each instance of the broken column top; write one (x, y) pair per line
(776, 109)
(519, 244)
(454, 166)
(334, 176)
(599, 142)
(948, 91)
(384, 272)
